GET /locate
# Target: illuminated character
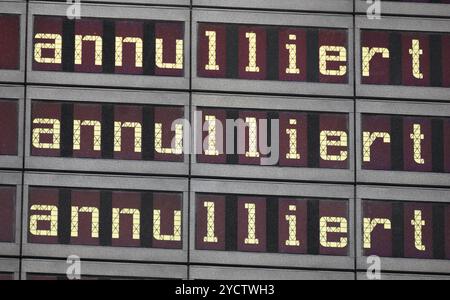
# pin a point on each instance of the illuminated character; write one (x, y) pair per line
(54, 131)
(159, 59)
(95, 220)
(251, 224)
(325, 228)
(212, 125)
(292, 132)
(369, 138)
(367, 55)
(369, 226)
(135, 213)
(97, 128)
(137, 135)
(416, 52)
(178, 149)
(212, 51)
(252, 64)
(292, 221)
(37, 219)
(56, 45)
(252, 137)
(418, 223)
(292, 48)
(325, 57)
(138, 47)
(98, 52)
(325, 143)
(417, 138)
(175, 236)
(210, 219)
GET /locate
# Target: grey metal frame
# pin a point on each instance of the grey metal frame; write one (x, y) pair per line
(305, 5)
(394, 91)
(408, 8)
(105, 182)
(104, 96)
(228, 273)
(400, 194)
(10, 265)
(391, 276)
(19, 8)
(399, 108)
(16, 93)
(273, 189)
(275, 103)
(91, 268)
(10, 178)
(142, 2)
(272, 18)
(113, 11)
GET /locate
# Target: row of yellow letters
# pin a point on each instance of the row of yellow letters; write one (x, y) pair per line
(328, 224)
(325, 54)
(328, 138)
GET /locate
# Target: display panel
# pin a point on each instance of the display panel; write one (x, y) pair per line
(9, 42)
(405, 143)
(279, 57)
(304, 139)
(108, 46)
(406, 229)
(6, 276)
(405, 58)
(107, 131)
(7, 214)
(9, 112)
(273, 53)
(105, 218)
(272, 224)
